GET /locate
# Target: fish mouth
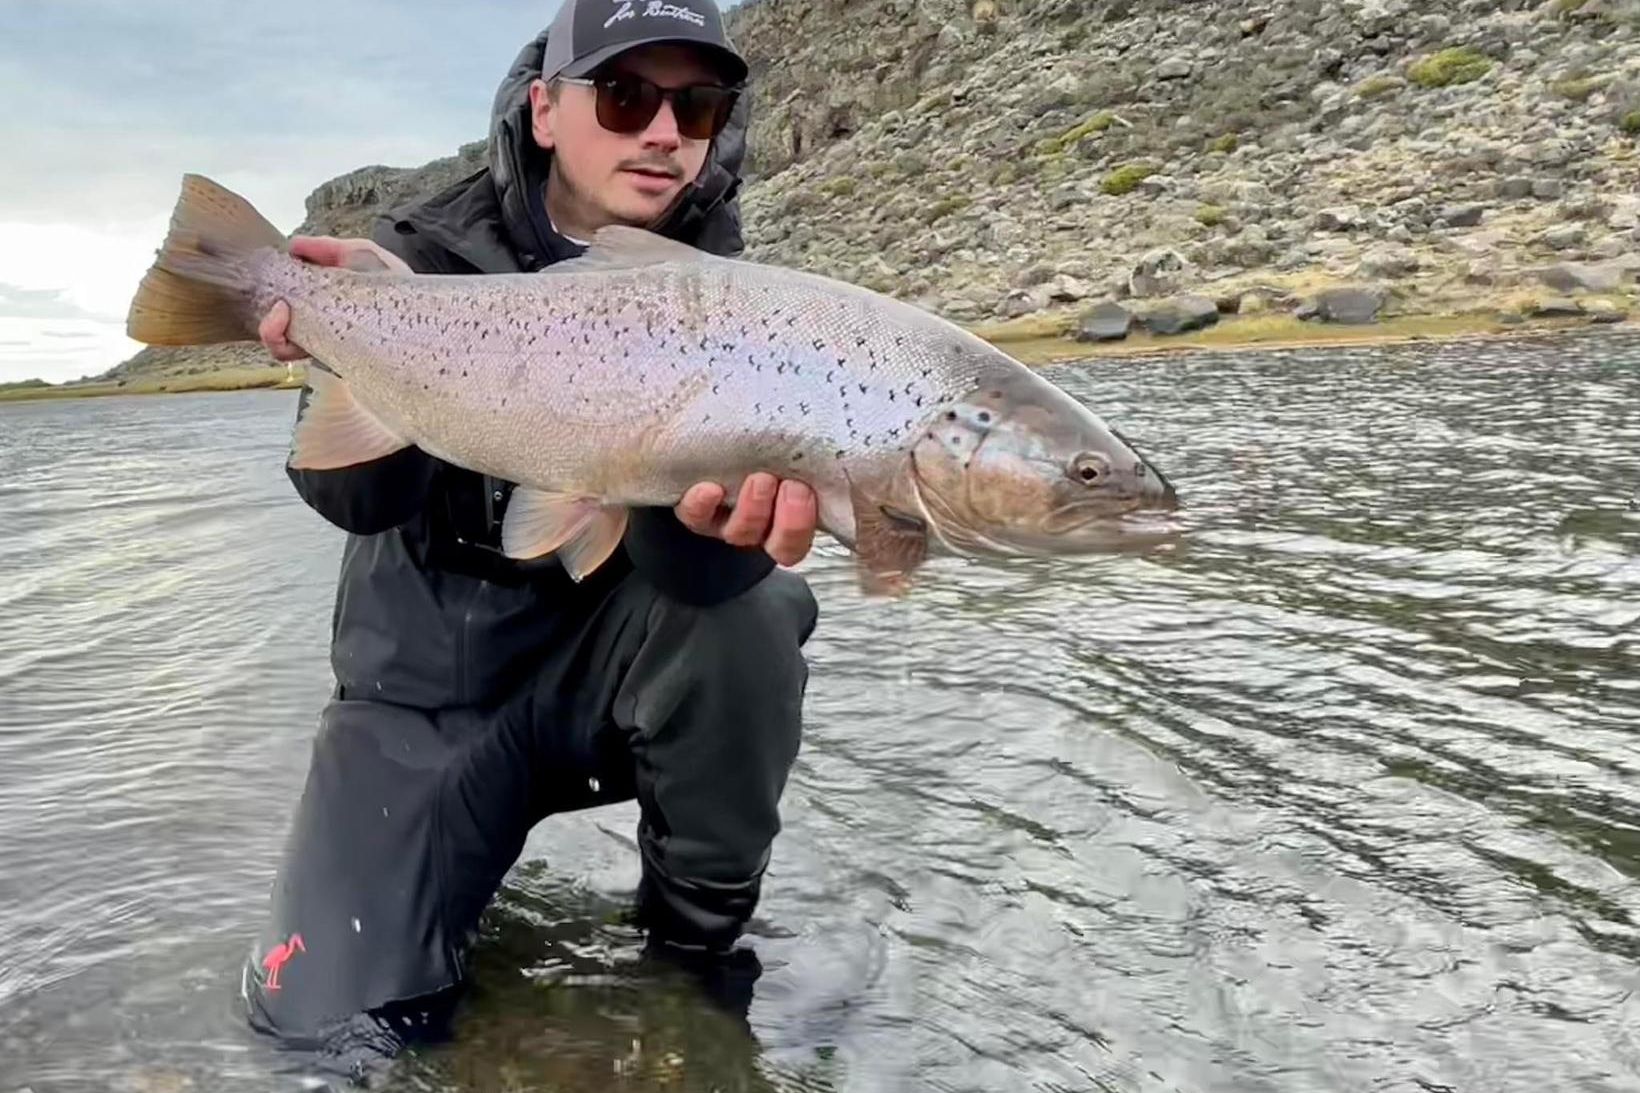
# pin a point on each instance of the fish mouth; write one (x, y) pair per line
(1085, 527)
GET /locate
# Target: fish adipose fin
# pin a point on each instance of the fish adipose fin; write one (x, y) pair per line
(583, 532)
(197, 291)
(334, 430)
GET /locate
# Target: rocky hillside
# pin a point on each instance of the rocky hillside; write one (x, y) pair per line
(991, 158)
(994, 159)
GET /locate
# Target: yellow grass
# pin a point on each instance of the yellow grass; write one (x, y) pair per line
(227, 379)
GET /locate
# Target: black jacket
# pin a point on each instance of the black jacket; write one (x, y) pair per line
(428, 612)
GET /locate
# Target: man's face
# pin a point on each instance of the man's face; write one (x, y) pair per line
(623, 178)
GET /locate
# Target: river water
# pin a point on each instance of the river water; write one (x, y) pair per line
(1343, 794)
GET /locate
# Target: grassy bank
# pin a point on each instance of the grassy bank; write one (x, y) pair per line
(1038, 340)
(1042, 341)
(227, 379)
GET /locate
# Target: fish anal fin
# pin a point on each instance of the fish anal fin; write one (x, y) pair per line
(336, 430)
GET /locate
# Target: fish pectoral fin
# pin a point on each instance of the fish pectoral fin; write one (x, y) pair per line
(336, 430)
(582, 531)
(889, 544)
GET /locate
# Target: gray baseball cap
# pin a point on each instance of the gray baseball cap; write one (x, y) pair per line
(586, 33)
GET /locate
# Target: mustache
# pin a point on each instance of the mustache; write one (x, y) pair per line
(656, 166)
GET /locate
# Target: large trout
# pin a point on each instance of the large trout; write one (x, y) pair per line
(625, 376)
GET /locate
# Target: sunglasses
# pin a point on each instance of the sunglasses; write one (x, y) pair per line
(628, 103)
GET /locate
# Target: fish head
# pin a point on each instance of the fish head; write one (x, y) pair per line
(1018, 466)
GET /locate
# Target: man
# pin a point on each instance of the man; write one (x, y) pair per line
(477, 695)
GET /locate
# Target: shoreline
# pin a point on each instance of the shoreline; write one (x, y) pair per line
(1036, 341)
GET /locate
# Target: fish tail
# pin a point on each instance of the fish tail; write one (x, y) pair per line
(198, 291)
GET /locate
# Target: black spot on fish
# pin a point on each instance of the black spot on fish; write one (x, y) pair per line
(862, 388)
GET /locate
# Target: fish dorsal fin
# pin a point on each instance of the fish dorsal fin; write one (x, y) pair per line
(620, 247)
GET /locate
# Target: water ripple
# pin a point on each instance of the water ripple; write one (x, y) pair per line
(1340, 794)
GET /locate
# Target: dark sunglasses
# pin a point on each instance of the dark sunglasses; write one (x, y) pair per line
(628, 103)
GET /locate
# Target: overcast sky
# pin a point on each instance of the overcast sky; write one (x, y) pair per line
(105, 104)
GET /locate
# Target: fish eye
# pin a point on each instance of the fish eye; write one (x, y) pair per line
(1089, 468)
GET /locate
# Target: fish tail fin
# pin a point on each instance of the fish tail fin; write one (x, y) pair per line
(198, 290)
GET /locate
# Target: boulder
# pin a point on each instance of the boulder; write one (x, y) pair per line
(1353, 305)
(1106, 322)
(1556, 307)
(1583, 276)
(1065, 289)
(1462, 216)
(1388, 261)
(1604, 311)
(1562, 237)
(1180, 315)
(1024, 301)
(1173, 68)
(1339, 218)
(1160, 272)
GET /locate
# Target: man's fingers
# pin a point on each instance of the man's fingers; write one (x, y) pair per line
(748, 524)
(698, 511)
(273, 330)
(362, 255)
(795, 515)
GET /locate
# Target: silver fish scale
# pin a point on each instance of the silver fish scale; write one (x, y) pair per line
(632, 384)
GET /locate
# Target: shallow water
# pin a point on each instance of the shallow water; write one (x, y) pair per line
(1344, 794)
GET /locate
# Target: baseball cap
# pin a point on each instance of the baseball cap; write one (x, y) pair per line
(586, 33)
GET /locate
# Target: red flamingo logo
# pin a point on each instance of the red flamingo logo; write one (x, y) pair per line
(278, 956)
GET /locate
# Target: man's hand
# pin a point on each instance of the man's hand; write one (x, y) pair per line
(322, 250)
(780, 516)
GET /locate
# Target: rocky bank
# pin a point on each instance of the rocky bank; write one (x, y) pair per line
(1155, 164)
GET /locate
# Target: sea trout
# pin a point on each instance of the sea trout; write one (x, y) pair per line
(623, 377)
